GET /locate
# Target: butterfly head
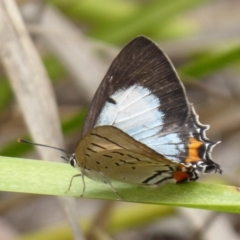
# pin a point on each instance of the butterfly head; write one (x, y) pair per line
(72, 160)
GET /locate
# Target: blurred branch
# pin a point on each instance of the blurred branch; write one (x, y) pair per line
(138, 215)
(32, 88)
(28, 79)
(74, 51)
(14, 201)
(99, 225)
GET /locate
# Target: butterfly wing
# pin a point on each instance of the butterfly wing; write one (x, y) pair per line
(110, 153)
(142, 95)
(141, 72)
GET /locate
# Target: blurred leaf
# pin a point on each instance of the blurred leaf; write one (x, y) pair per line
(54, 68)
(209, 63)
(5, 93)
(96, 12)
(153, 14)
(176, 28)
(117, 21)
(49, 178)
(55, 71)
(137, 215)
(15, 149)
(74, 122)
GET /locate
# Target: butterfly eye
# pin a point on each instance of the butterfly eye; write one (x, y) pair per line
(72, 161)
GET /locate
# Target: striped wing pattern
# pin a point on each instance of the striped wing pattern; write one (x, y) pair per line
(106, 152)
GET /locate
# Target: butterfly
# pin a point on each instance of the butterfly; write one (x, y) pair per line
(140, 128)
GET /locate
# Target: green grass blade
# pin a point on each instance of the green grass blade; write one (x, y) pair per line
(39, 177)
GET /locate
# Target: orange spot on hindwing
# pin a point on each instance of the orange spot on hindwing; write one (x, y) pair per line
(180, 176)
(194, 148)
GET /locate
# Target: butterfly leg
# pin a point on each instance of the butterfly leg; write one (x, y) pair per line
(70, 184)
(113, 188)
(84, 185)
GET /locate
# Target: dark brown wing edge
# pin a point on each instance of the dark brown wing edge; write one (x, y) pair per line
(141, 62)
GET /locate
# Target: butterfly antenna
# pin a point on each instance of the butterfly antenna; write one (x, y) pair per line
(42, 145)
(65, 158)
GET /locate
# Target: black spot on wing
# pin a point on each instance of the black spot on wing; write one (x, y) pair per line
(96, 145)
(111, 100)
(91, 150)
(202, 151)
(119, 153)
(157, 173)
(99, 136)
(133, 157)
(163, 180)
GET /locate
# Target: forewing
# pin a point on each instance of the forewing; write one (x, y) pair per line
(139, 92)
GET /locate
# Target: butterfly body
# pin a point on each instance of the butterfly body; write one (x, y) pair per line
(140, 128)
